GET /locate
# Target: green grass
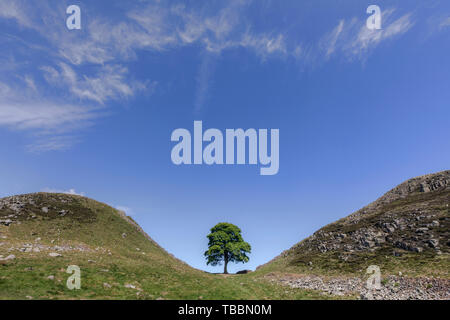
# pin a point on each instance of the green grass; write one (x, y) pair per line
(29, 277)
(109, 258)
(115, 260)
(329, 264)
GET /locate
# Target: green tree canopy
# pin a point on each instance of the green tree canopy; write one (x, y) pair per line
(226, 244)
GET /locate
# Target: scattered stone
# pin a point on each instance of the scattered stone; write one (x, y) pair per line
(392, 288)
(6, 222)
(51, 277)
(10, 257)
(243, 271)
(433, 243)
(106, 285)
(435, 223)
(54, 254)
(44, 210)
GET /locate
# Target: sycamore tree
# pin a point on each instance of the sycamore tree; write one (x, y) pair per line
(226, 244)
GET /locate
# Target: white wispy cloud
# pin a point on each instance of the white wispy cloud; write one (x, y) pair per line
(30, 83)
(53, 117)
(160, 27)
(445, 23)
(214, 32)
(330, 40)
(43, 116)
(110, 83)
(89, 68)
(13, 10)
(48, 120)
(164, 28)
(70, 191)
(352, 38)
(263, 44)
(52, 143)
(128, 211)
(24, 110)
(204, 79)
(368, 39)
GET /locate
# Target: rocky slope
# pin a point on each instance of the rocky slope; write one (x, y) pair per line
(393, 287)
(413, 216)
(405, 231)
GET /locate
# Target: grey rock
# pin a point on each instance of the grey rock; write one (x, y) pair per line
(6, 222)
(54, 254)
(433, 243)
(243, 271)
(10, 257)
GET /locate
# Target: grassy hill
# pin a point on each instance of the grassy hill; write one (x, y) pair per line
(42, 234)
(407, 230)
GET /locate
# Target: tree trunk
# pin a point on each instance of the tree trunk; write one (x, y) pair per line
(225, 271)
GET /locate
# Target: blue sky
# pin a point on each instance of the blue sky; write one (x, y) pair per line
(91, 111)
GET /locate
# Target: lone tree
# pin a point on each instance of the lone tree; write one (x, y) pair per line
(226, 243)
